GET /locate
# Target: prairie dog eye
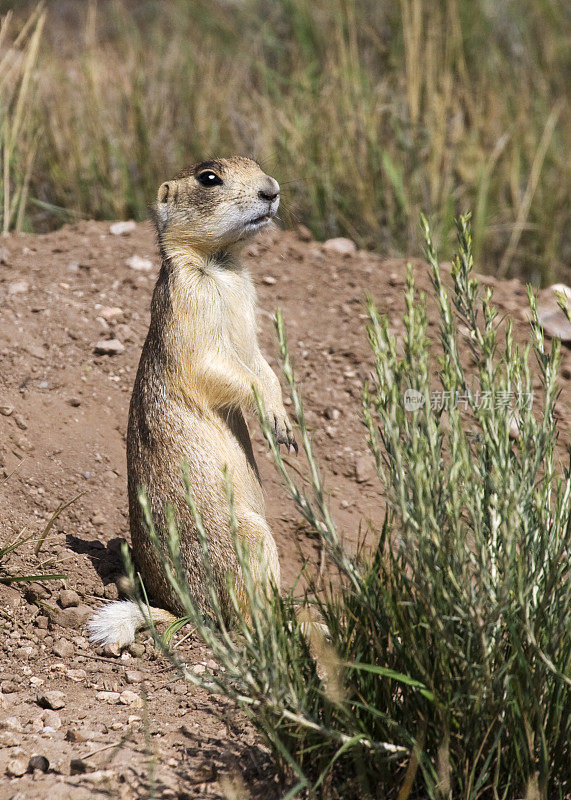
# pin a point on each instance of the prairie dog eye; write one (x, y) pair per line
(209, 178)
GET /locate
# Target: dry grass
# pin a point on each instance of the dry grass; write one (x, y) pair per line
(9, 575)
(18, 128)
(366, 112)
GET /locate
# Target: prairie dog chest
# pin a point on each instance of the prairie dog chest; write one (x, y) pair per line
(214, 309)
(237, 304)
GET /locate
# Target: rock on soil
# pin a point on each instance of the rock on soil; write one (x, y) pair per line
(51, 719)
(140, 264)
(121, 228)
(17, 767)
(74, 617)
(552, 319)
(340, 245)
(63, 648)
(68, 598)
(363, 469)
(40, 763)
(109, 347)
(129, 698)
(51, 699)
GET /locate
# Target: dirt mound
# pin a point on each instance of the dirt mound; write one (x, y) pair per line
(74, 313)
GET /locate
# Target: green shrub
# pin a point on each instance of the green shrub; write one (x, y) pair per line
(445, 669)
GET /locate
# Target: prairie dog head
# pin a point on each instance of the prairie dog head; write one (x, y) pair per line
(214, 204)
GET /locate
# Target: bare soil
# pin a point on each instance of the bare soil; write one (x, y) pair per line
(128, 726)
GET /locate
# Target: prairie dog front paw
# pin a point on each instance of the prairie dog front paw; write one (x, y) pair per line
(281, 428)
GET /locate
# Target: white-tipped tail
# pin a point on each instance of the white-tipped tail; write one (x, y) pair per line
(117, 623)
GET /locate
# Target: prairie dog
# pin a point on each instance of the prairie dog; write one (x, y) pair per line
(193, 385)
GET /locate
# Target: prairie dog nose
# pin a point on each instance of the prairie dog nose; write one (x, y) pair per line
(270, 190)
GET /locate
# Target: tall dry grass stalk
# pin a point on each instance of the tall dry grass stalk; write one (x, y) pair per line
(19, 135)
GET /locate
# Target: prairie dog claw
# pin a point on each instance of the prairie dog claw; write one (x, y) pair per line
(282, 430)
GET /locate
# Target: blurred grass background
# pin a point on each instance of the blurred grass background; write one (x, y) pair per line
(366, 112)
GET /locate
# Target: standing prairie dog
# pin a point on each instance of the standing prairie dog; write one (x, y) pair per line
(197, 369)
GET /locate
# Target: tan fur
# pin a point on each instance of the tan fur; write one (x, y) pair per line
(194, 382)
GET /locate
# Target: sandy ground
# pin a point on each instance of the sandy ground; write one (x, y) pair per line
(127, 726)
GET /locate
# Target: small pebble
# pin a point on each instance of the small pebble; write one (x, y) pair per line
(112, 650)
(63, 648)
(18, 287)
(340, 245)
(99, 777)
(36, 352)
(121, 228)
(110, 591)
(269, 280)
(555, 324)
(10, 739)
(129, 698)
(108, 697)
(40, 763)
(74, 618)
(68, 598)
(53, 699)
(139, 264)
(109, 347)
(23, 443)
(81, 735)
(125, 333)
(110, 313)
(77, 674)
(20, 422)
(363, 469)
(134, 676)
(11, 724)
(16, 767)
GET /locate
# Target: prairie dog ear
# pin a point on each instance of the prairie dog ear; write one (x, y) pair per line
(161, 211)
(163, 193)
